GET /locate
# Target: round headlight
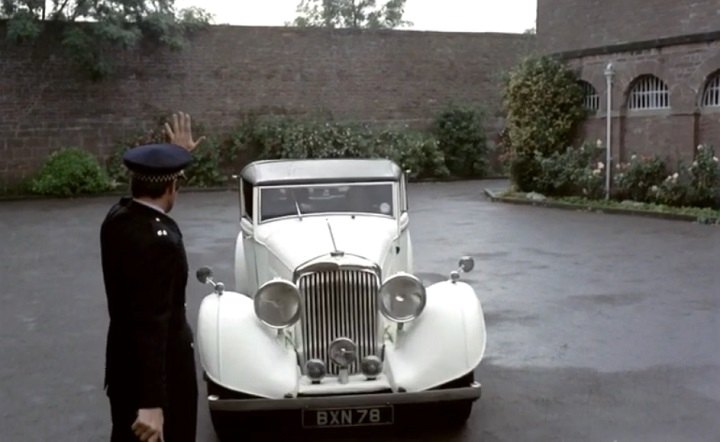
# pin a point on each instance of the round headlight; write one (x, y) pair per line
(402, 298)
(277, 303)
(342, 352)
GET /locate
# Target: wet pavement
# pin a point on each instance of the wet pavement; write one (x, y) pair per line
(600, 327)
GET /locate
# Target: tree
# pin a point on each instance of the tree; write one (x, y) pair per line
(91, 27)
(544, 103)
(351, 14)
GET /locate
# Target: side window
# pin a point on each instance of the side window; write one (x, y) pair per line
(247, 190)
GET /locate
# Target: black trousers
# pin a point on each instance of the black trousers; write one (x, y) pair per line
(180, 415)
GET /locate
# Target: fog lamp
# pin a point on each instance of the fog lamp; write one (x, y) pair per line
(315, 370)
(342, 352)
(371, 367)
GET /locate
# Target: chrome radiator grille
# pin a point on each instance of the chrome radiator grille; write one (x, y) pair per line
(339, 304)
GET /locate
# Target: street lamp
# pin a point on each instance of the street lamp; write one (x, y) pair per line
(609, 74)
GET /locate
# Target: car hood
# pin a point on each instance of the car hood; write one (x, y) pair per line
(295, 241)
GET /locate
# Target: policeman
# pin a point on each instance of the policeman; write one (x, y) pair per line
(150, 366)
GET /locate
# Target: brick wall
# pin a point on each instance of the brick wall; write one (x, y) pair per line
(397, 77)
(671, 133)
(564, 25)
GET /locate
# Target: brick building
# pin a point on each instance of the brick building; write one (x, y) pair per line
(665, 57)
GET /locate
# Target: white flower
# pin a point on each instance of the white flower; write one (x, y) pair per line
(700, 147)
(676, 175)
(600, 165)
(695, 164)
(599, 143)
(654, 188)
(715, 159)
(634, 157)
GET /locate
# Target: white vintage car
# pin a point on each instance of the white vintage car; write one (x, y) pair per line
(328, 322)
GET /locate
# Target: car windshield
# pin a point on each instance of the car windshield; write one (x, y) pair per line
(283, 201)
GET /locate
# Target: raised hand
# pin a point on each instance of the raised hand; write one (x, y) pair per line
(179, 131)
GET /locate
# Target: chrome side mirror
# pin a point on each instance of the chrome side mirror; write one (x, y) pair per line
(205, 276)
(465, 265)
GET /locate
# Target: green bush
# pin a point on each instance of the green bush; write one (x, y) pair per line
(208, 158)
(461, 139)
(574, 172)
(272, 138)
(70, 172)
(705, 178)
(635, 179)
(544, 104)
(416, 152)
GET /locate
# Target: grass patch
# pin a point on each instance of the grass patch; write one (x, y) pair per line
(701, 215)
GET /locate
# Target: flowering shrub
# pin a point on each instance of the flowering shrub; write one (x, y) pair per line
(673, 191)
(634, 180)
(575, 171)
(704, 178)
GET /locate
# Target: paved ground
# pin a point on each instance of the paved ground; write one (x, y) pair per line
(601, 328)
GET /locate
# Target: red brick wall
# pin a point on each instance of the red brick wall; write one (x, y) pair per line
(564, 25)
(669, 133)
(397, 77)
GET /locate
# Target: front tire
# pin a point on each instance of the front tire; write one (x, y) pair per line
(454, 414)
(227, 425)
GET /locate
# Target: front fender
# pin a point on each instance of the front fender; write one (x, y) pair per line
(240, 353)
(446, 342)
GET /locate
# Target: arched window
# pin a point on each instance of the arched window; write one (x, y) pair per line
(711, 96)
(592, 99)
(649, 92)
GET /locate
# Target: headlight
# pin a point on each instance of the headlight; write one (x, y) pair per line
(277, 303)
(402, 298)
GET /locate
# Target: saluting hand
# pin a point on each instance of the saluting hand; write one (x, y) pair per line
(179, 131)
(148, 426)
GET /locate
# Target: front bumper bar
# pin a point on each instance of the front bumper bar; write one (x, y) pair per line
(351, 400)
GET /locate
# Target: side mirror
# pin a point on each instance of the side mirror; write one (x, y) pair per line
(204, 274)
(467, 263)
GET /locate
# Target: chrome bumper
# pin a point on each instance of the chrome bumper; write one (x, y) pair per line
(354, 400)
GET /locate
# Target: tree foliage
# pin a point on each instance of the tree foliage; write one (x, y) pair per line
(544, 103)
(351, 14)
(113, 24)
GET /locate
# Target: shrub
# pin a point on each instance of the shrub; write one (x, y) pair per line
(416, 152)
(574, 172)
(634, 180)
(704, 178)
(461, 139)
(524, 170)
(272, 138)
(208, 158)
(544, 104)
(70, 172)
(673, 191)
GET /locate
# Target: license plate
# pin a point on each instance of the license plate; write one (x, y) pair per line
(347, 417)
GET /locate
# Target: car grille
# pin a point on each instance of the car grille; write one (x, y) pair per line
(339, 304)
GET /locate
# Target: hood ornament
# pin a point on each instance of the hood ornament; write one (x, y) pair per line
(335, 253)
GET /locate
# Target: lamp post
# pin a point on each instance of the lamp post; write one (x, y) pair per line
(609, 74)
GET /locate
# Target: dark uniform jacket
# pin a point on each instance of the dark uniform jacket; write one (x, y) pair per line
(149, 359)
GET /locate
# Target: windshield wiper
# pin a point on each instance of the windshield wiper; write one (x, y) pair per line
(297, 207)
